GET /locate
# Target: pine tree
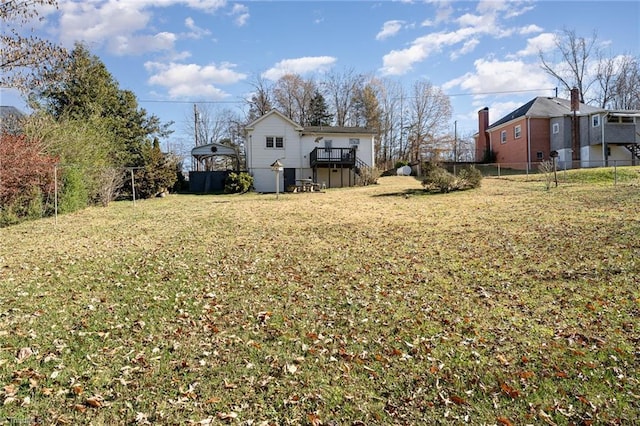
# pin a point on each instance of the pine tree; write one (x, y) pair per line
(319, 111)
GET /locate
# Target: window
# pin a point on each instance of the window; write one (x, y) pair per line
(327, 145)
(354, 141)
(556, 128)
(616, 119)
(595, 121)
(275, 141)
(503, 136)
(540, 156)
(517, 131)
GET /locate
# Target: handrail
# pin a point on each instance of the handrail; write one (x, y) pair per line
(345, 156)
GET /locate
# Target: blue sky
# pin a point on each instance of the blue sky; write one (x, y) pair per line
(172, 53)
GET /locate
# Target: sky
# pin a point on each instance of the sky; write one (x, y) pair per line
(173, 53)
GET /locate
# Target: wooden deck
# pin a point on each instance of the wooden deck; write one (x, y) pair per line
(330, 157)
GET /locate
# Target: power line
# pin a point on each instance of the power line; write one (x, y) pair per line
(172, 101)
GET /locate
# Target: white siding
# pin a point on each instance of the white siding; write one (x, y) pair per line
(261, 156)
(296, 153)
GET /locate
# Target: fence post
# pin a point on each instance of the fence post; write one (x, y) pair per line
(498, 169)
(55, 193)
(615, 173)
(133, 188)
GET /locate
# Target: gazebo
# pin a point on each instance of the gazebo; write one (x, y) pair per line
(202, 177)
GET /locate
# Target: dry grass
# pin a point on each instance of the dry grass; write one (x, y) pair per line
(378, 305)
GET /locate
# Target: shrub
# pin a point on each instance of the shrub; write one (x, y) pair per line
(158, 172)
(438, 179)
(26, 206)
(111, 181)
(74, 195)
(368, 175)
(238, 183)
(547, 168)
(23, 167)
(400, 163)
(469, 178)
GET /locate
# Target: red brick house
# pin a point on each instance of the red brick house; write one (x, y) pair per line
(582, 135)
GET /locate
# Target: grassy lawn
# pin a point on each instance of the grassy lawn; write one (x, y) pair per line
(503, 305)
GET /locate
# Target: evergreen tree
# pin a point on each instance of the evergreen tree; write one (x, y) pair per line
(86, 90)
(85, 93)
(319, 111)
(158, 173)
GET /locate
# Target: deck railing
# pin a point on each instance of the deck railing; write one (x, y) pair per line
(332, 156)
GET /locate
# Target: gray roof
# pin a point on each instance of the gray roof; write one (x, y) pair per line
(314, 130)
(543, 107)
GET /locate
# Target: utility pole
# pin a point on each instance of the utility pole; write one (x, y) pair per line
(195, 164)
(455, 141)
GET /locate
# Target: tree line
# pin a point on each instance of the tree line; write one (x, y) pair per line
(85, 132)
(91, 130)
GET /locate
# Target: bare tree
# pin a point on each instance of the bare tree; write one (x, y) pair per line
(25, 61)
(391, 100)
(293, 95)
(577, 57)
(429, 116)
(261, 100)
(341, 90)
(619, 82)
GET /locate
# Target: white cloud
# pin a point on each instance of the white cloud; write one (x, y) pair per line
(530, 29)
(389, 28)
(195, 31)
(543, 42)
(122, 45)
(467, 47)
(299, 66)
(241, 13)
(123, 24)
(494, 76)
(487, 20)
(95, 23)
(398, 62)
(192, 80)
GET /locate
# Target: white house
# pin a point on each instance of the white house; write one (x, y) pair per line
(329, 156)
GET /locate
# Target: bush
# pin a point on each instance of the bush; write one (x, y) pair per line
(470, 177)
(400, 163)
(26, 206)
(238, 183)
(74, 195)
(438, 179)
(547, 169)
(368, 175)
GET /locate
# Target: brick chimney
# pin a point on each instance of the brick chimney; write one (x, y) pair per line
(483, 141)
(575, 99)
